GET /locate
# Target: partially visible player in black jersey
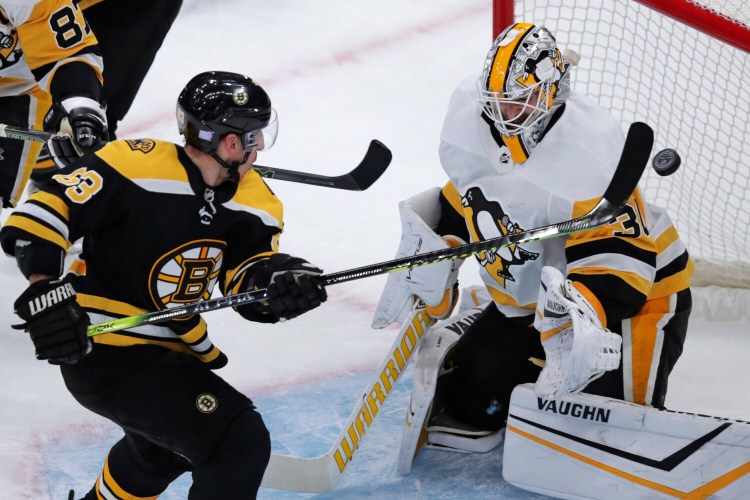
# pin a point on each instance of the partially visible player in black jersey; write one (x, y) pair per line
(130, 34)
(161, 226)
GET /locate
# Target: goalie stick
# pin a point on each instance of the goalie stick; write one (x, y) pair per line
(324, 472)
(375, 162)
(632, 163)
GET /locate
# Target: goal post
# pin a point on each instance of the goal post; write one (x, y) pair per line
(683, 67)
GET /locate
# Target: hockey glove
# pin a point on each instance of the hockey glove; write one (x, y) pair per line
(578, 349)
(292, 283)
(56, 322)
(79, 125)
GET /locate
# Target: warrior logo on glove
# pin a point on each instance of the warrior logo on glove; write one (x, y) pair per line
(55, 321)
(42, 302)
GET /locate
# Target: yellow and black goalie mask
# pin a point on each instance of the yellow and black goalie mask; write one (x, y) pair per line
(525, 79)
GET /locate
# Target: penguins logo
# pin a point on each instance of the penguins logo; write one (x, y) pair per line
(10, 54)
(186, 274)
(486, 220)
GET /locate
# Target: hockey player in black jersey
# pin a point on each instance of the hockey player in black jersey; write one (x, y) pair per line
(162, 225)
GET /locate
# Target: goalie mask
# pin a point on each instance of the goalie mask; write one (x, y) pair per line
(216, 103)
(525, 79)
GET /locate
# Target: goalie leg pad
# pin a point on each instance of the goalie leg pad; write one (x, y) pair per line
(430, 360)
(435, 346)
(586, 446)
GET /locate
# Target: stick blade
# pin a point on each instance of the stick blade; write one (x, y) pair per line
(633, 161)
(372, 166)
(311, 475)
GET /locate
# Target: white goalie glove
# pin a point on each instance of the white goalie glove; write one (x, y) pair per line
(578, 349)
(434, 284)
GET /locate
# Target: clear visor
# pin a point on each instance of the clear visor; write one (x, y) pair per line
(262, 138)
(516, 111)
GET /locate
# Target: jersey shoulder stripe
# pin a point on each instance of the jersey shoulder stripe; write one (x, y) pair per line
(255, 197)
(451, 195)
(135, 159)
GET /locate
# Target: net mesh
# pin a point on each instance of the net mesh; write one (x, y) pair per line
(694, 91)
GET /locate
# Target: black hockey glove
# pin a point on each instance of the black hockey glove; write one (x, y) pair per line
(56, 322)
(79, 125)
(292, 283)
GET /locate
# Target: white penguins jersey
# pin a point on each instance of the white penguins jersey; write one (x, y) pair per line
(39, 36)
(564, 177)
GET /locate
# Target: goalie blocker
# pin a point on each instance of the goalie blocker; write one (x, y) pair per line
(591, 446)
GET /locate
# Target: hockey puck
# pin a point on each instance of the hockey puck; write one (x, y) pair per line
(666, 162)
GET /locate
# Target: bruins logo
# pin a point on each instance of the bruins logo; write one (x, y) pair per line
(240, 96)
(206, 403)
(142, 145)
(186, 274)
(487, 219)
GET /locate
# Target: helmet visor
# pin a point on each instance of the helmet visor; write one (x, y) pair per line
(263, 138)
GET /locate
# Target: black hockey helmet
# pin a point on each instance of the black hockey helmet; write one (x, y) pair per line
(216, 103)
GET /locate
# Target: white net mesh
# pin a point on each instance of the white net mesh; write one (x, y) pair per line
(694, 91)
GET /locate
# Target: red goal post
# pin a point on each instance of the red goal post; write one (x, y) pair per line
(683, 66)
(724, 20)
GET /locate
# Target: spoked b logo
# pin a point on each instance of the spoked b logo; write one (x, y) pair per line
(206, 403)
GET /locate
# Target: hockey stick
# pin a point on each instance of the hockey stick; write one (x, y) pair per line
(625, 179)
(376, 161)
(324, 472)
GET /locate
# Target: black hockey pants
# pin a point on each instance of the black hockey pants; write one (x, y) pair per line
(177, 416)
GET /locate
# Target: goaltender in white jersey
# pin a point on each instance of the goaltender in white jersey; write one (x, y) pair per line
(568, 172)
(603, 310)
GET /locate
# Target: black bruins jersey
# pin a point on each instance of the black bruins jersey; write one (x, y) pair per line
(154, 236)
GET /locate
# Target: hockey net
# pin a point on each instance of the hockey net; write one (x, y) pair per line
(682, 66)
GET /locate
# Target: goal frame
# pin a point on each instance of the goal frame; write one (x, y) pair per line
(685, 11)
